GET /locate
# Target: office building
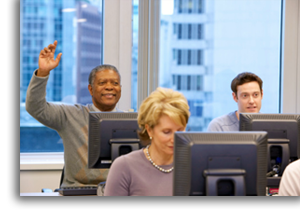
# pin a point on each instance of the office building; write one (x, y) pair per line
(42, 22)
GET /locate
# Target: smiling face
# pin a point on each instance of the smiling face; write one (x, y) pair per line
(248, 98)
(162, 142)
(106, 90)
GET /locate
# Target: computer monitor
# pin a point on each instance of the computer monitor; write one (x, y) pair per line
(110, 135)
(220, 163)
(283, 137)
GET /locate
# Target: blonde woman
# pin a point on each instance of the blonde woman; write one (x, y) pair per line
(149, 171)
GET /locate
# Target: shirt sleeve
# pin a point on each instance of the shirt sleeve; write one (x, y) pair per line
(49, 114)
(118, 180)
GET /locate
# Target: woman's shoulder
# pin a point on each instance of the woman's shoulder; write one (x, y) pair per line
(134, 154)
(130, 157)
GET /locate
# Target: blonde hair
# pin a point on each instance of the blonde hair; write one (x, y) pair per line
(162, 101)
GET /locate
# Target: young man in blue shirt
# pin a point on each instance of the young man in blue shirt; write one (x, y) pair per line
(247, 92)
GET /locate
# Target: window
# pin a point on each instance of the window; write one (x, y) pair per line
(188, 6)
(187, 82)
(134, 56)
(188, 56)
(194, 31)
(77, 26)
(204, 44)
(210, 52)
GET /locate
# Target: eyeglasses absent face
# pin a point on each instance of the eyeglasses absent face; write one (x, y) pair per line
(106, 90)
(248, 97)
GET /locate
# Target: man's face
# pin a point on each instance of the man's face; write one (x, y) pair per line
(106, 90)
(248, 98)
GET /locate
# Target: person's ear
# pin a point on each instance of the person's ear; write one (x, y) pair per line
(90, 89)
(148, 129)
(262, 93)
(234, 97)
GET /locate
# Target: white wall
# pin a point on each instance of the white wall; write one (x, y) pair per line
(35, 180)
(40, 170)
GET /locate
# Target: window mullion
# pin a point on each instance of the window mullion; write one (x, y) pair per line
(148, 49)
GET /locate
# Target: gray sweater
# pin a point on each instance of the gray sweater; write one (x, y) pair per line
(133, 175)
(227, 122)
(71, 123)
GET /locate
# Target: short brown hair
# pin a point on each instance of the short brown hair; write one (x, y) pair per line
(162, 101)
(243, 78)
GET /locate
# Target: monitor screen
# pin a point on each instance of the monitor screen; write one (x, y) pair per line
(110, 135)
(283, 136)
(220, 163)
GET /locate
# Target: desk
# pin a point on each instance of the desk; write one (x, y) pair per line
(48, 194)
(41, 194)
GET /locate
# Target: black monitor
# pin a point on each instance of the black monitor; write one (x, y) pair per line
(220, 163)
(111, 134)
(283, 137)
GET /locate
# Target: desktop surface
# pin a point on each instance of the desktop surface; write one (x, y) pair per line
(47, 194)
(40, 194)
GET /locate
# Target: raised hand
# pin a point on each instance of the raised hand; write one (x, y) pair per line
(46, 60)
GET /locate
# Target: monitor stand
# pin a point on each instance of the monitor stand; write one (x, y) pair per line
(273, 182)
(125, 145)
(215, 176)
(283, 144)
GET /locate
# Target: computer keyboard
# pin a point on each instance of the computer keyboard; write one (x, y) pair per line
(85, 190)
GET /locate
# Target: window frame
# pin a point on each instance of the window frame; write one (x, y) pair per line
(290, 92)
(148, 48)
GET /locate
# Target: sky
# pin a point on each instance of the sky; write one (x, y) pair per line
(167, 7)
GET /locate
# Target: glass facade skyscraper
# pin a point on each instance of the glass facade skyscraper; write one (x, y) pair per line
(185, 66)
(41, 24)
(204, 44)
(77, 27)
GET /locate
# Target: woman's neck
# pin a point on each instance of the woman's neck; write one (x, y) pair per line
(157, 157)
